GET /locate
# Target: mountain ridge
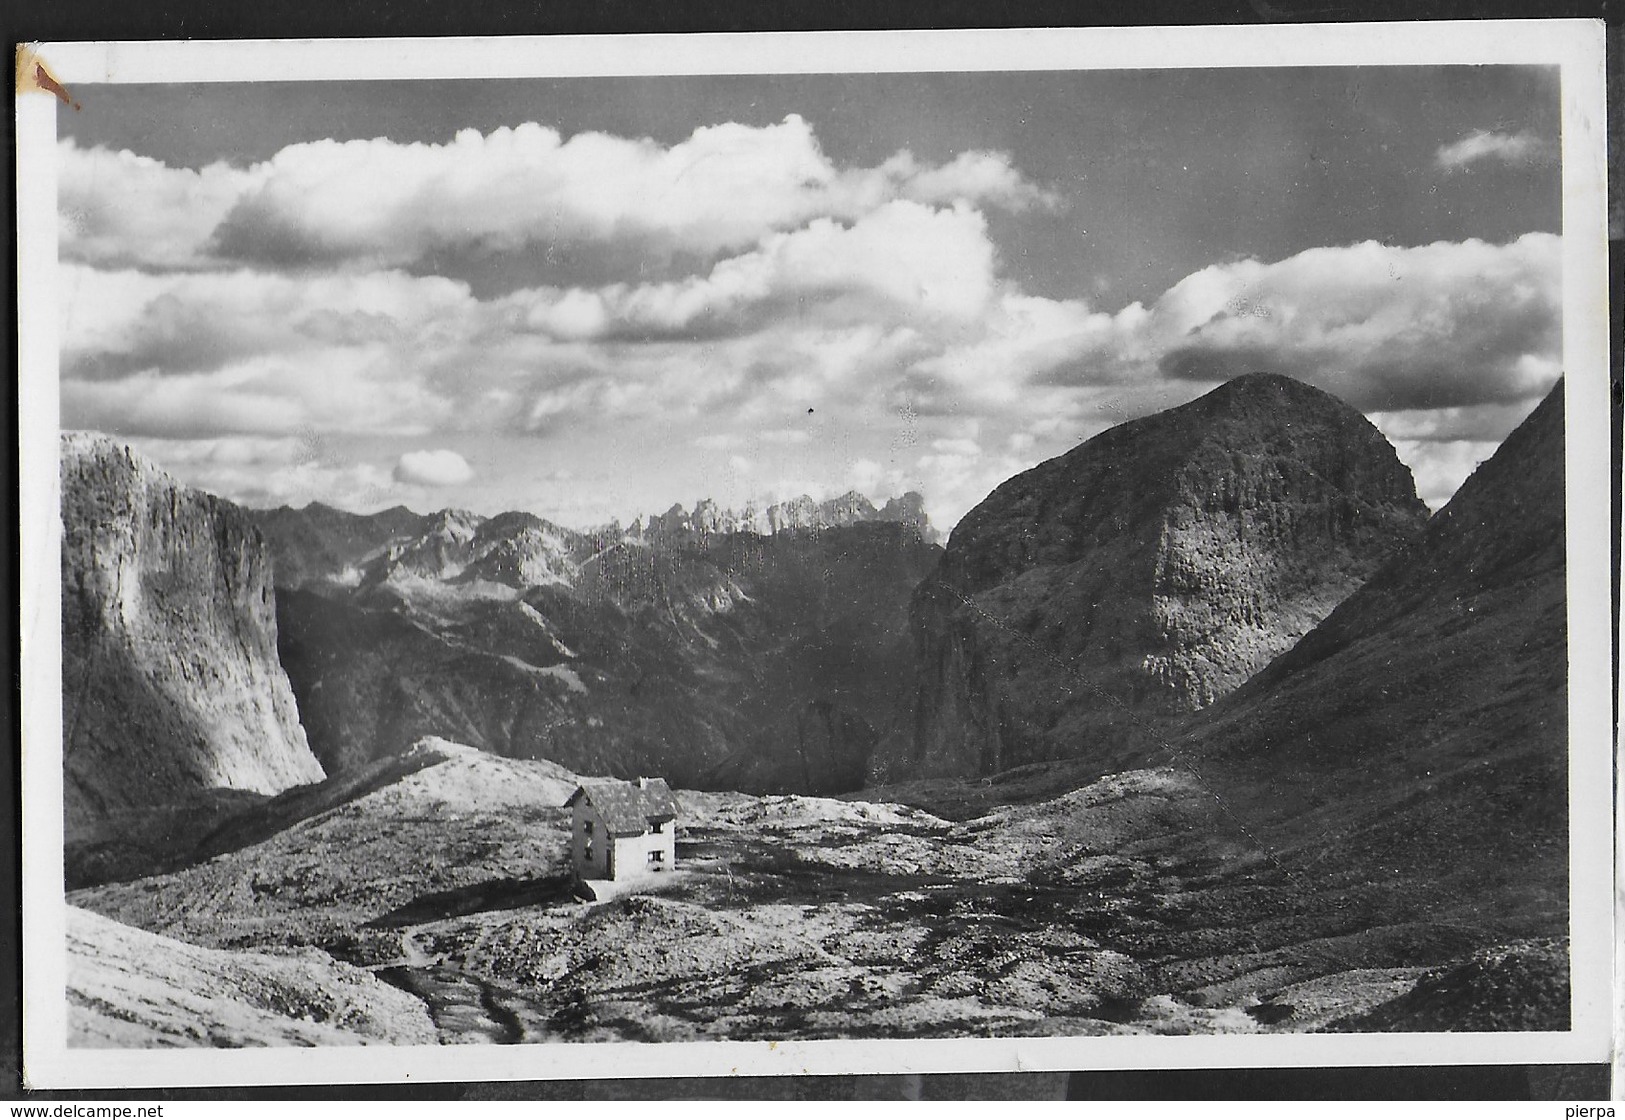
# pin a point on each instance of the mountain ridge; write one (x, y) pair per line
(173, 694)
(1424, 721)
(676, 653)
(1146, 572)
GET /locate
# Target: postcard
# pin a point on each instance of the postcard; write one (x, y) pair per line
(808, 553)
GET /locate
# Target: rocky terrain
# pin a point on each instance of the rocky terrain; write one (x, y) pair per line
(1131, 905)
(1422, 728)
(174, 700)
(1367, 834)
(731, 660)
(1144, 574)
(129, 988)
(1412, 747)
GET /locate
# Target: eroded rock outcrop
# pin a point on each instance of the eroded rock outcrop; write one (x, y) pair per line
(1146, 573)
(170, 679)
(1421, 730)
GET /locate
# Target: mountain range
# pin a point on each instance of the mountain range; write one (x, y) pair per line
(754, 661)
(1102, 595)
(1202, 725)
(805, 512)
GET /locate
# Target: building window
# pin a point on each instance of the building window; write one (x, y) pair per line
(656, 858)
(586, 828)
(587, 852)
(657, 827)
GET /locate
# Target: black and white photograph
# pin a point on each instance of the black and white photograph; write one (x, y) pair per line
(929, 551)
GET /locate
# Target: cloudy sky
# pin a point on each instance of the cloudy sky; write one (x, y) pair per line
(592, 298)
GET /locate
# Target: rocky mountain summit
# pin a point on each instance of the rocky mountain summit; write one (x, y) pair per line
(797, 514)
(172, 691)
(319, 542)
(325, 547)
(1422, 727)
(701, 656)
(1368, 834)
(1146, 573)
(1401, 774)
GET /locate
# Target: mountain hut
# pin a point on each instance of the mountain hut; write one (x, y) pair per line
(622, 830)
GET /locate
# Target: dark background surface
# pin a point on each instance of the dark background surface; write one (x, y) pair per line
(39, 20)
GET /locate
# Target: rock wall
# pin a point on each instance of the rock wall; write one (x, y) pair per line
(1144, 574)
(1423, 726)
(171, 683)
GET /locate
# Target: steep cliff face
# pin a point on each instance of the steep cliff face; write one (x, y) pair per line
(1423, 726)
(1146, 573)
(171, 683)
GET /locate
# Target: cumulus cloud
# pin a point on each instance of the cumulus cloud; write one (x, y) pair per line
(116, 322)
(433, 468)
(1443, 446)
(178, 407)
(119, 209)
(873, 295)
(379, 203)
(1025, 343)
(978, 178)
(264, 472)
(1477, 423)
(957, 474)
(181, 353)
(1499, 147)
(903, 261)
(1440, 468)
(1442, 343)
(1436, 326)
(230, 451)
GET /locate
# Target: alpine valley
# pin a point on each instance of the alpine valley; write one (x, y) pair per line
(1203, 726)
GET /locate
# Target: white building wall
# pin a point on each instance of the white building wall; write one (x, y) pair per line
(589, 850)
(632, 852)
(594, 854)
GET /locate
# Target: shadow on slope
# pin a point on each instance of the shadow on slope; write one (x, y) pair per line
(480, 898)
(1419, 735)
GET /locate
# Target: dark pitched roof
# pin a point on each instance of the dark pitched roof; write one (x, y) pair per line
(626, 807)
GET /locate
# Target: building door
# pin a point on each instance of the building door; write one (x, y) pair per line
(609, 856)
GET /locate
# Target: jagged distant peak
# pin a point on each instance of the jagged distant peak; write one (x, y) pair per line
(850, 503)
(910, 504)
(455, 521)
(788, 515)
(511, 522)
(850, 498)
